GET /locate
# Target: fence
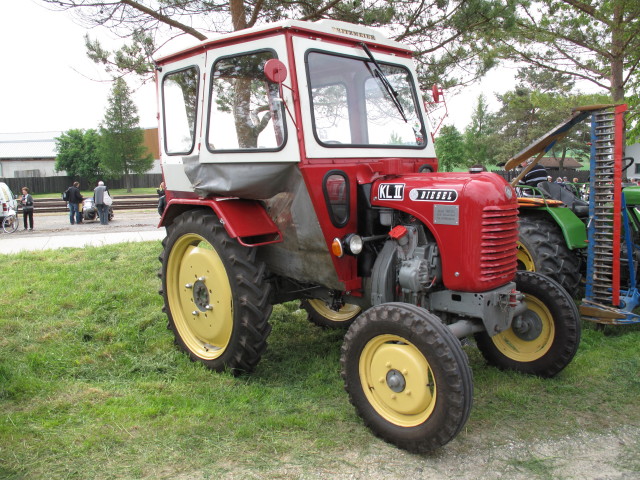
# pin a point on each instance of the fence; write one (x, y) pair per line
(60, 184)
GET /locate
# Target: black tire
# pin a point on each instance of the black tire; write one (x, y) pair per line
(543, 340)
(407, 376)
(205, 271)
(320, 313)
(543, 249)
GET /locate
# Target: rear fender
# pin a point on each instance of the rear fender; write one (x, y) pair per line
(244, 220)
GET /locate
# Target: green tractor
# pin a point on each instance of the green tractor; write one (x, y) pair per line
(568, 238)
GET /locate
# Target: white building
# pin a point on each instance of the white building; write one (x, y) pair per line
(28, 154)
(33, 154)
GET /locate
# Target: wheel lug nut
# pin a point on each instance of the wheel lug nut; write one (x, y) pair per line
(201, 279)
(208, 307)
(195, 313)
(188, 285)
(388, 365)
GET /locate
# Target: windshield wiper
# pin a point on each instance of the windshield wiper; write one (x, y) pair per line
(393, 94)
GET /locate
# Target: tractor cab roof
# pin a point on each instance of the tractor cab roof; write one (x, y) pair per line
(329, 30)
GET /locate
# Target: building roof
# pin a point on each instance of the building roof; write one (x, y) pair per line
(43, 145)
(552, 162)
(28, 145)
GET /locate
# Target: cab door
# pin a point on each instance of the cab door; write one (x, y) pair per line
(180, 101)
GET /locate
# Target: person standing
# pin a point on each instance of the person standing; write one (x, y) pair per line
(161, 198)
(98, 198)
(75, 199)
(27, 208)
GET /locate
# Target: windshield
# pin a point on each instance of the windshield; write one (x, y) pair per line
(351, 105)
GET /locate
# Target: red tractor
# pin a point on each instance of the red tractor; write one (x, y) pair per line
(299, 165)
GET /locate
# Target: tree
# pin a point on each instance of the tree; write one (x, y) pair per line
(595, 41)
(445, 33)
(122, 151)
(450, 149)
(478, 142)
(78, 154)
(540, 101)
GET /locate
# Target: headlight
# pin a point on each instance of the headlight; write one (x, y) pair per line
(354, 243)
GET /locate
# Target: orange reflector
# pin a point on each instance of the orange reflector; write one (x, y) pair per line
(336, 247)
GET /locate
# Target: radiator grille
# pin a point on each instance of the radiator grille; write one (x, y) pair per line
(499, 242)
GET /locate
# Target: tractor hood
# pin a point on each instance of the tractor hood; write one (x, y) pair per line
(473, 218)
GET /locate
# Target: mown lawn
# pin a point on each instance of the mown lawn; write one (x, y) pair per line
(91, 385)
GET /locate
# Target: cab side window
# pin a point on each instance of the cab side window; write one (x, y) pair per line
(246, 112)
(179, 104)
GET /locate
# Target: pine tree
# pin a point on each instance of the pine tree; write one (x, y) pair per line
(450, 149)
(122, 150)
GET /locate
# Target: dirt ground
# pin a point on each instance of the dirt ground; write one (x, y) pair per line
(610, 456)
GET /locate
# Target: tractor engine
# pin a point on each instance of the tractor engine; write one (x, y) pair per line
(419, 264)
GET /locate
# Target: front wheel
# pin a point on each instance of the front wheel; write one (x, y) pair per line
(10, 223)
(214, 294)
(407, 376)
(544, 339)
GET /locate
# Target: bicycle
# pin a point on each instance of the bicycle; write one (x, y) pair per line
(10, 222)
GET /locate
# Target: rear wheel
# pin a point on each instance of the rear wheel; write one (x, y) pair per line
(544, 339)
(543, 249)
(10, 223)
(214, 294)
(323, 314)
(407, 376)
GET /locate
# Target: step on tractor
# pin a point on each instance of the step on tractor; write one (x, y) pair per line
(299, 166)
(591, 232)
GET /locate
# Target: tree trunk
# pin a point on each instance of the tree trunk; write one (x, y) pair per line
(617, 53)
(238, 18)
(246, 131)
(562, 157)
(127, 181)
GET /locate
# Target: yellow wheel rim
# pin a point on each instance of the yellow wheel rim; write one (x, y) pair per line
(199, 296)
(346, 313)
(397, 380)
(525, 260)
(530, 336)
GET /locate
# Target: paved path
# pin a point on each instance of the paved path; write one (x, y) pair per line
(35, 242)
(54, 231)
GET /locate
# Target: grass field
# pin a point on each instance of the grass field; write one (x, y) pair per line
(91, 385)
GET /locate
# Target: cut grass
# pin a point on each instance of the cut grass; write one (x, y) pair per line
(91, 385)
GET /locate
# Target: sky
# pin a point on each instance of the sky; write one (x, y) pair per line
(47, 82)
